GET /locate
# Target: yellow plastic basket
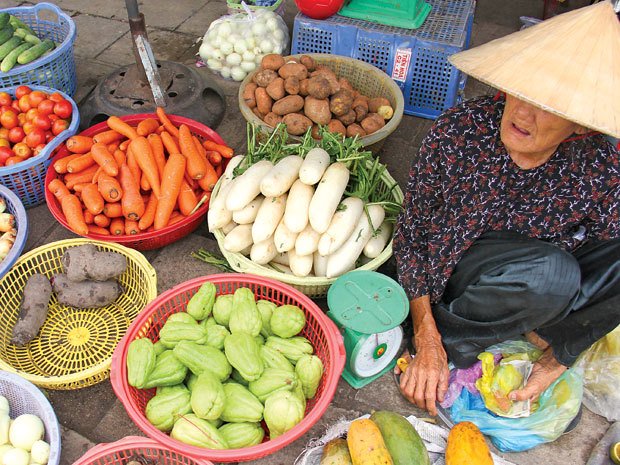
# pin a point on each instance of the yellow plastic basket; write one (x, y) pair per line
(74, 346)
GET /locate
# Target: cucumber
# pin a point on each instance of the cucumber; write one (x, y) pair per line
(9, 45)
(9, 61)
(401, 439)
(35, 52)
(32, 39)
(18, 23)
(5, 34)
(4, 20)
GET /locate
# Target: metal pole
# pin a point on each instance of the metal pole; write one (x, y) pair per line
(132, 8)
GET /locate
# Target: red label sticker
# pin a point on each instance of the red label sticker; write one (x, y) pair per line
(401, 64)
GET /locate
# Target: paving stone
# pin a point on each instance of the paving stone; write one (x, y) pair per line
(114, 425)
(95, 34)
(198, 23)
(74, 445)
(40, 224)
(107, 9)
(89, 73)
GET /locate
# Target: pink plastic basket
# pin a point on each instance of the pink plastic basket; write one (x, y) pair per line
(320, 331)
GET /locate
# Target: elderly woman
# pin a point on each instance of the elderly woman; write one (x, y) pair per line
(511, 220)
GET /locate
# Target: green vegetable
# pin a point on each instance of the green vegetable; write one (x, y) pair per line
(140, 362)
(238, 378)
(199, 358)
(287, 321)
(35, 52)
(168, 371)
(244, 434)
(221, 309)
(283, 410)
(174, 332)
(216, 335)
(244, 317)
(265, 308)
(5, 34)
(8, 46)
(207, 396)
(201, 303)
(19, 24)
(4, 20)
(168, 405)
(243, 353)
(309, 370)
(27, 36)
(194, 431)
(158, 347)
(274, 359)
(272, 380)
(293, 349)
(181, 317)
(240, 405)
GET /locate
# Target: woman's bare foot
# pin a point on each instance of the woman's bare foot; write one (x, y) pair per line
(536, 340)
(545, 371)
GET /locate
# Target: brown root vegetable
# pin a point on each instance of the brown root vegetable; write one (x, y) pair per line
(275, 89)
(318, 87)
(32, 309)
(381, 106)
(248, 95)
(258, 113)
(336, 126)
(272, 119)
(372, 123)
(85, 262)
(330, 76)
(345, 84)
(308, 62)
(291, 85)
(303, 87)
(348, 118)
(263, 101)
(289, 104)
(264, 77)
(355, 130)
(340, 103)
(360, 107)
(293, 69)
(315, 132)
(296, 124)
(85, 294)
(317, 110)
(272, 61)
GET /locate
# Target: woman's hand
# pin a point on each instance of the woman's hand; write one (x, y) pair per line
(545, 371)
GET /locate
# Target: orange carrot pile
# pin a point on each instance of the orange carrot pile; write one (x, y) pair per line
(131, 179)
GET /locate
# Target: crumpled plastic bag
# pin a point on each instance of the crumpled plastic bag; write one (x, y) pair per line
(464, 378)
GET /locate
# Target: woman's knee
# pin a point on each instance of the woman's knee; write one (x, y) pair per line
(555, 273)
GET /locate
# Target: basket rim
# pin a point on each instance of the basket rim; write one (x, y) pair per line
(54, 206)
(22, 231)
(151, 282)
(52, 145)
(367, 140)
(118, 373)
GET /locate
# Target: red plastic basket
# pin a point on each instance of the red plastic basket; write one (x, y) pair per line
(319, 330)
(119, 453)
(148, 240)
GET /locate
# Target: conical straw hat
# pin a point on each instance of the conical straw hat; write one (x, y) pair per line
(568, 65)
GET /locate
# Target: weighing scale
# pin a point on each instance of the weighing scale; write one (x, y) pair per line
(407, 14)
(368, 307)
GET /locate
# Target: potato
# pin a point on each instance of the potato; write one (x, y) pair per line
(296, 124)
(308, 62)
(272, 119)
(381, 106)
(317, 110)
(318, 87)
(336, 126)
(289, 104)
(291, 85)
(85, 294)
(345, 84)
(348, 118)
(293, 69)
(85, 262)
(330, 76)
(32, 309)
(355, 130)
(341, 102)
(248, 95)
(275, 89)
(258, 113)
(360, 106)
(263, 77)
(372, 123)
(263, 100)
(303, 87)
(272, 61)
(315, 132)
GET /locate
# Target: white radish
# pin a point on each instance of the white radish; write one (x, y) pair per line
(218, 215)
(327, 196)
(314, 165)
(341, 227)
(281, 177)
(281, 258)
(227, 175)
(263, 252)
(268, 217)
(307, 241)
(248, 213)
(376, 244)
(343, 259)
(229, 227)
(284, 238)
(320, 264)
(301, 265)
(247, 186)
(239, 238)
(297, 206)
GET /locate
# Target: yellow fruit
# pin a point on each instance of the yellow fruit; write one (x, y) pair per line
(614, 453)
(366, 444)
(466, 446)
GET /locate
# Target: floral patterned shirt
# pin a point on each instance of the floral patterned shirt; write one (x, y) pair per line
(464, 183)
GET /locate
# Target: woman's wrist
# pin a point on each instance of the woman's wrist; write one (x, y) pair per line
(425, 333)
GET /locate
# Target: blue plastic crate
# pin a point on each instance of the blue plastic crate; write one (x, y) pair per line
(417, 59)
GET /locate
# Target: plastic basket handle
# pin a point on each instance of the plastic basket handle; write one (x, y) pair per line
(60, 14)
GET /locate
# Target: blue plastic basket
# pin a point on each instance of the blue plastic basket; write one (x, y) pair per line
(417, 59)
(15, 208)
(27, 179)
(25, 397)
(55, 69)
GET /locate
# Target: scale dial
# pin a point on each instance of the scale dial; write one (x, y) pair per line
(373, 352)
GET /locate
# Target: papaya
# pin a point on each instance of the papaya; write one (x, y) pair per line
(336, 452)
(366, 444)
(401, 439)
(466, 446)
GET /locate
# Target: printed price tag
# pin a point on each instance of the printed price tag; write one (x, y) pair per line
(401, 64)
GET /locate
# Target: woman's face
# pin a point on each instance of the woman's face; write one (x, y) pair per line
(531, 131)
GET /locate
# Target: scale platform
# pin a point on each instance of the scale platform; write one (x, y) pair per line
(406, 14)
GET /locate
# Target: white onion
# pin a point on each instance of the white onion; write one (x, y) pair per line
(226, 48)
(225, 29)
(266, 46)
(258, 28)
(248, 66)
(205, 51)
(248, 56)
(16, 456)
(233, 59)
(240, 46)
(215, 65)
(40, 452)
(4, 405)
(225, 72)
(272, 24)
(237, 73)
(250, 42)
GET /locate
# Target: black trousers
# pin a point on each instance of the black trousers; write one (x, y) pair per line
(507, 284)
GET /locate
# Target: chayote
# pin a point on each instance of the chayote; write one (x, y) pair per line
(158, 347)
(283, 410)
(174, 332)
(298, 390)
(208, 322)
(244, 317)
(199, 358)
(274, 359)
(167, 405)
(260, 340)
(195, 431)
(293, 348)
(309, 370)
(201, 303)
(243, 353)
(240, 404)
(207, 396)
(265, 308)
(168, 371)
(141, 361)
(216, 335)
(287, 321)
(245, 434)
(238, 378)
(221, 309)
(272, 380)
(181, 317)
(191, 380)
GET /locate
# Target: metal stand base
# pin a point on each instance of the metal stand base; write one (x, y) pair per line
(188, 93)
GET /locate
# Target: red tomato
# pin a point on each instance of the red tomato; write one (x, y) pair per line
(4, 133)
(5, 143)
(8, 119)
(63, 109)
(53, 117)
(22, 150)
(24, 103)
(42, 122)
(30, 114)
(56, 97)
(37, 149)
(36, 97)
(35, 137)
(5, 153)
(5, 99)
(28, 127)
(4, 108)
(46, 107)
(16, 135)
(21, 118)
(48, 136)
(13, 161)
(58, 126)
(21, 91)
(15, 106)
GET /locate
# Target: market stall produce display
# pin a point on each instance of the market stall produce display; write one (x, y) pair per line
(19, 44)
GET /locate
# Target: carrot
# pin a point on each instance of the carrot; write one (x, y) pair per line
(214, 157)
(89, 218)
(175, 218)
(131, 227)
(131, 203)
(144, 183)
(169, 143)
(187, 199)
(86, 175)
(112, 147)
(79, 187)
(79, 144)
(192, 182)
(113, 210)
(72, 209)
(119, 156)
(104, 158)
(94, 229)
(223, 150)
(149, 214)
(136, 172)
(147, 126)
(219, 170)
(107, 137)
(170, 187)
(143, 154)
(109, 188)
(117, 227)
(114, 122)
(165, 121)
(208, 182)
(160, 129)
(196, 166)
(157, 146)
(92, 199)
(60, 166)
(102, 221)
(58, 188)
(199, 147)
(97, 174)
(80, 163)
(123, 145)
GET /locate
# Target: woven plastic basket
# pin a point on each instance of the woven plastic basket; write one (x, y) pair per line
(234, 6)
(15, 208)
(55, 69)
(364, 78)
(24, 397)
(123, 451)
(74, 346)
(27, 178)
(312, 286)
(319, 330)
(147, 240)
